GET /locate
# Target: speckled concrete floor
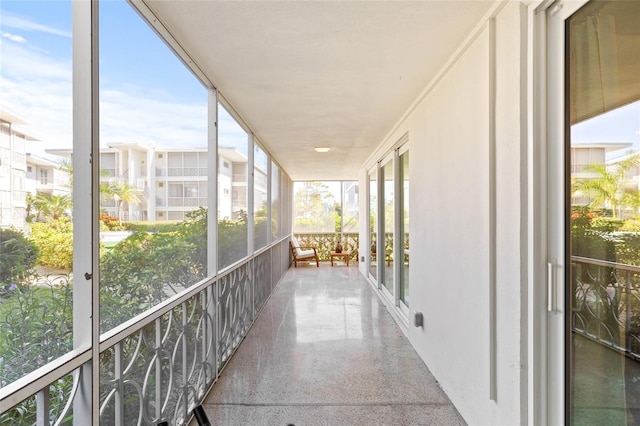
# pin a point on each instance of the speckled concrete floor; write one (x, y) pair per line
(324, 351)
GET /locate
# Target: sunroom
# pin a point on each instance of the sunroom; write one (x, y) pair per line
(466, 141)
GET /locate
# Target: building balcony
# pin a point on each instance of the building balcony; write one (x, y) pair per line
(187, 201)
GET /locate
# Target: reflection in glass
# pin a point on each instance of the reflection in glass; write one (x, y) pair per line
(341, 318)
(404, 224)
(260, 200)
(388, 202)
(373, 224)
(604, 113)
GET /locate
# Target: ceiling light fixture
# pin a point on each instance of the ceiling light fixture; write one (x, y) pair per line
(322, 148)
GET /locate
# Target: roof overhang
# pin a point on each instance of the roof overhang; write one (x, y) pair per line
(302, 74)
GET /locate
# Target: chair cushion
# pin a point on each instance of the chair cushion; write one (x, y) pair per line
(304, 253)
(294, 241)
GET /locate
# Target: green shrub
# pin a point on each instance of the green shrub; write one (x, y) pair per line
(146, 268)
(152, 226)
(606, 224)
(36, 324)
(17, 257)
(54, 240)
(631, 226)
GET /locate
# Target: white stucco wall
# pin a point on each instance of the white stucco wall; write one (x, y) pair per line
(451, 206)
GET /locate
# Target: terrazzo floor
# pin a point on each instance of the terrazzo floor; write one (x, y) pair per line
(325, 351)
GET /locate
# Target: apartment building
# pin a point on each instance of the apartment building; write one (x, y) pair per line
(171, 182)
(13, 169)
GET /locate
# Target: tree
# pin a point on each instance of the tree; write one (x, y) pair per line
(66, 165)
(124, 194)
(52, 206)
(315, 206)
(607, 189)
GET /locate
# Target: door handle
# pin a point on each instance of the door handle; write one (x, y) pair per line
(551, 287)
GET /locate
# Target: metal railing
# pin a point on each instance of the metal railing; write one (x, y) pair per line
(605, 303)
(326, 242)
(159, 365)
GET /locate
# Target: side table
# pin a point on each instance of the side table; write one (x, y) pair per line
(344, 255)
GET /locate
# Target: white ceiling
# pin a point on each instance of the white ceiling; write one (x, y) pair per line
(320, 73)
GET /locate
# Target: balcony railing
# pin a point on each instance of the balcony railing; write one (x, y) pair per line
(186, 171)
(326, 242)
(187, 201)
(605, 303)
(158, 366)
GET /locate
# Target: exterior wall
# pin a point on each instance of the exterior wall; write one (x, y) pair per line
(224, 188)
(13, 184)
(467, 173)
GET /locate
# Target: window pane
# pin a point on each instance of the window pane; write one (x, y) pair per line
(316, 207)
(373, 223)
(232, 190)
(260, 201)
(149, 105)
(275, 201)
(36, 230)
(387, 266)
(404, 271)
(604, 112)
(350, 207)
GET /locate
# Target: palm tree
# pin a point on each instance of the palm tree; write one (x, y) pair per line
(124, 194)
(607, 189)
(66, 165)
(52, 206)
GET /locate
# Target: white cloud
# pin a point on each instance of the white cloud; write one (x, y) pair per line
(10, 20)
(39, 88)
(13, 37)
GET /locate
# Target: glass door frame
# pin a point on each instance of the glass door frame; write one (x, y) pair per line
(399, 225)
(391, 158)
(375, 170)
(555, 322)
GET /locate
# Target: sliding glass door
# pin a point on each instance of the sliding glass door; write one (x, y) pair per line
(593, 285)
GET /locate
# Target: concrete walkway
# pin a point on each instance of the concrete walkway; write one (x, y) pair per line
(324, 351)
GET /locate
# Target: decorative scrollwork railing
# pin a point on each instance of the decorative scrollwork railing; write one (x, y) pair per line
(326, 242)
(158, 366)
(605, 303)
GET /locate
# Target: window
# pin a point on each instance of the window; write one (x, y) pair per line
(325, 207)
(260, 197)
(233, 143)
(142, 87)
(603, 106)
(275, 201)
(36, 73)
(373, 223)
(388, 222)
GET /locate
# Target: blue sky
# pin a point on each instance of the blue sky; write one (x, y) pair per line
(146, 94)
(621, 125)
